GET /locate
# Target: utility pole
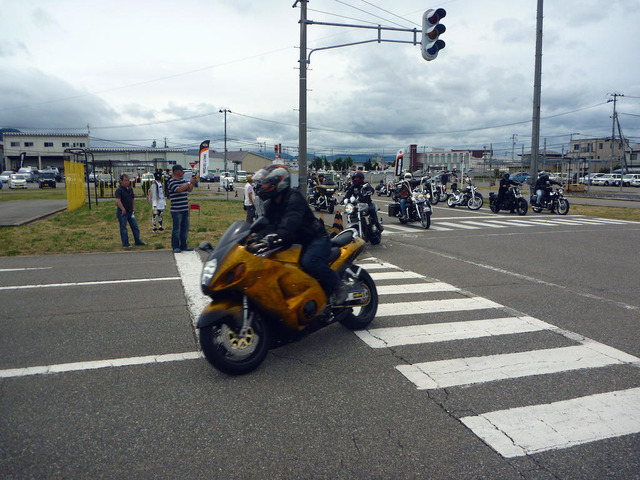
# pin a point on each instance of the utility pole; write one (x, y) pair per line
(613, 128)
(225, 111)
(302, 119)
(513, 146)
(535, 128)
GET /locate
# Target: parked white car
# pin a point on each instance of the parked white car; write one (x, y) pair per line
(607, 179)
(630, 178)
(591, 177)
(17, 180)
(5, 176)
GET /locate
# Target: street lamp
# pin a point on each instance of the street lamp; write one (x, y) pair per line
(225, 111)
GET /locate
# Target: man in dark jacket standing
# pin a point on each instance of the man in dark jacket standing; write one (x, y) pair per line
(292, 221)
(126, 202)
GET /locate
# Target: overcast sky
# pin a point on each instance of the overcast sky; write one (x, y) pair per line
(141, 70)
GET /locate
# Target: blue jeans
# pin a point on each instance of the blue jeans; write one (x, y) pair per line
(403, 206)
(133, 223)
(540, 194)
(314, 262)
(180, 230)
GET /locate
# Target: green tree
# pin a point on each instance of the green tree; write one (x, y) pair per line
(338, 164)
(348, 163)
(368, 165)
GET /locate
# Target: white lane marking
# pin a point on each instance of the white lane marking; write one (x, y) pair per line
(399, 228)
(444, 332)
(83, 284)
(458, 225)
(116, 362)
(484, 224)
(395, 275)
(416, 288)
(438, 228)
(377, 266)
(529, 430)
(24, 269)
(190, 267)
(467, 371)
(435, 306)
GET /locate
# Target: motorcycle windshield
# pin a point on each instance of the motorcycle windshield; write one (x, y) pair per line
(235, 234)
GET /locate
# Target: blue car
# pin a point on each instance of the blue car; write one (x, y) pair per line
(520, 177)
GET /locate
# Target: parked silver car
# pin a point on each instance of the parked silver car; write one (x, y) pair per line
(5, 176)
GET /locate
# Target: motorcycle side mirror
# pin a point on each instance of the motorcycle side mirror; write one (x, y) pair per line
(353, 199)
(205, 246)
(346, 200)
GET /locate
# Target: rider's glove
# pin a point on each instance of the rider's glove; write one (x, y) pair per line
(273, 240)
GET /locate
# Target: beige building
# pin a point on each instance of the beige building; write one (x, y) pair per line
(597, 151)
(240, 160)
(39, 150)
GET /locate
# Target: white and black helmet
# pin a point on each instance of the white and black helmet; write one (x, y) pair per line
(271, 181)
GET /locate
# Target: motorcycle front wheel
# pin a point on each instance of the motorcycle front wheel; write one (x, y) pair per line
(522, 207)
(232, 353)
(374, 237)
(361, 317)
(475, 202)
(331, 207)
(425, 220)
(563, 206)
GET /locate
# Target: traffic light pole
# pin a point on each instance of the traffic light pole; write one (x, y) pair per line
(304, 62)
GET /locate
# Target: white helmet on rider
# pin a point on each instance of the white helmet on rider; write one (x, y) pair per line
(408, 176)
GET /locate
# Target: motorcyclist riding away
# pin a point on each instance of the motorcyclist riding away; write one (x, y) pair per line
(363, 192)
(543, 187)
(505, 183)
(292, 221)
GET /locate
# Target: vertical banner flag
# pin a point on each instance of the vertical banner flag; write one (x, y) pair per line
(399, 159)
(204, 157)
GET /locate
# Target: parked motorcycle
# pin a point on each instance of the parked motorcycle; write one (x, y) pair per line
(512, 201)
(554, 202)
(324, 199)
(431, 189)
(418, 208)
(384, 189)
(359, 217)
(262, 299)
(469, 197)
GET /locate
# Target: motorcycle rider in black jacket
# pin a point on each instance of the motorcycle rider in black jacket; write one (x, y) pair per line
(505, 183)
(543, 187)
(363, 192)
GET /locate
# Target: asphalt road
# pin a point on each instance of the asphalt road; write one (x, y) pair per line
(382, 404)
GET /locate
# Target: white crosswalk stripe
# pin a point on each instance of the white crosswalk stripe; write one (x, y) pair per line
(479, 222)
(517, 431)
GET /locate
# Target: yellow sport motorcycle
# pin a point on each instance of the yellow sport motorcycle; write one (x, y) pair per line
(262, 299)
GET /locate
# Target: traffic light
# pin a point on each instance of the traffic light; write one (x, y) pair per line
(431, 30)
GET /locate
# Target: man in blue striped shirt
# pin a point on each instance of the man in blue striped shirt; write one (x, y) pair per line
(178, 189)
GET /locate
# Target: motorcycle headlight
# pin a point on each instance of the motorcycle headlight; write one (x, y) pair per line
(421, 197)
(208, 271)
(349, 208)
(346, 201)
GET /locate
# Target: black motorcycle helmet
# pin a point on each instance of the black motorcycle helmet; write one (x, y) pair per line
(357, 179)
(506, 176)
(271, 181)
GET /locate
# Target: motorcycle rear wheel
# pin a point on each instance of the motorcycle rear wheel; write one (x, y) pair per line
(360, 317)
(451, 201)
(330, 208)
(522, 207)
(494, 208)
(228, 352)
(536, 209)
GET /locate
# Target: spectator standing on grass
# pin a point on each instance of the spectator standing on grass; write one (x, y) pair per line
(249, 202)
(157, 201)
(178, 189)
(126, 202)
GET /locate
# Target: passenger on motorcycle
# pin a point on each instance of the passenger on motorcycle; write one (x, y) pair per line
(292, 221)
(363, 192)
(505, 183)
(405, 193)
(543, 187)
